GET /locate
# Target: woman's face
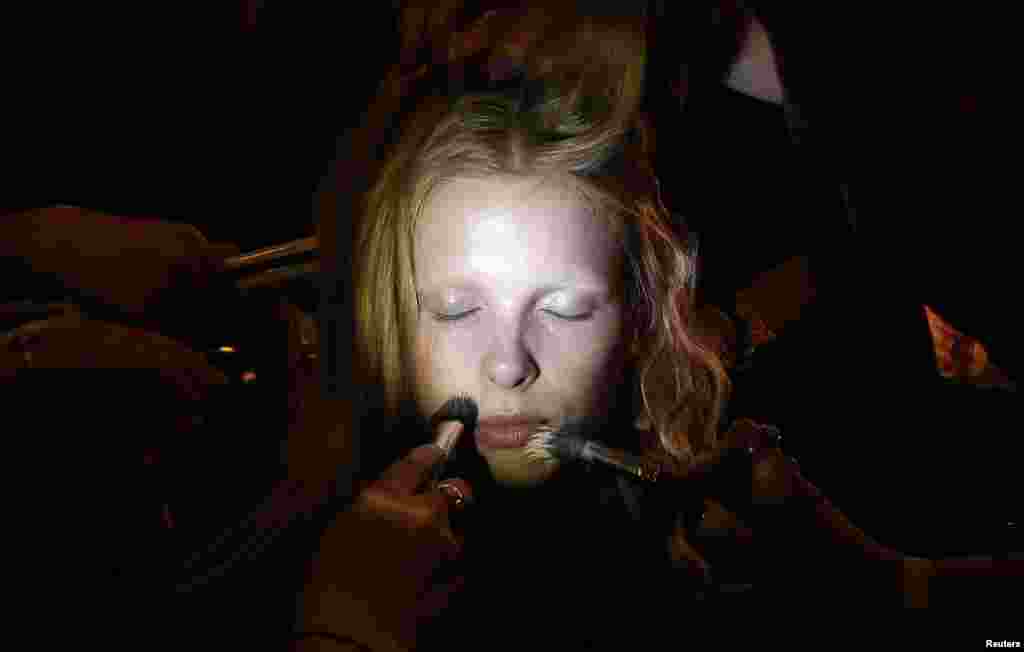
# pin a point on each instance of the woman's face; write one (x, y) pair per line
(520, 307)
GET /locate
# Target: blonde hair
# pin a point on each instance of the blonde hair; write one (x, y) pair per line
(578, 117)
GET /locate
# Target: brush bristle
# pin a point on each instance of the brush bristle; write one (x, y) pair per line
(460, 407)
(548, 443)
(539, 446)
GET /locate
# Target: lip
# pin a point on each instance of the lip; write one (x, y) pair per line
(505, 431)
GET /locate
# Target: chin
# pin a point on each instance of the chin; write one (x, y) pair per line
(513, 468)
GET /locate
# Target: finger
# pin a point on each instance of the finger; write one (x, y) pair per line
(720, 525)
(717, 519)
(773, 480)
(447, 504)
(754, 438)
(688, 559)
(459, 509)
(457, 492)
(408, 474)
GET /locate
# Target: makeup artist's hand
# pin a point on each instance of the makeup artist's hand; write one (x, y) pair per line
(748, 468)
(746, 471)
(387, 564)
(790, 515)
(132, 264)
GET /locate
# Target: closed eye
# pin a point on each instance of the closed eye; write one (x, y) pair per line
(456, 317)
(580, 317)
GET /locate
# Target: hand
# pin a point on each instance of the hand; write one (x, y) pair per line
(763, 488)
(130, 264)
(747, 468)
(380, 572)
(807, 518)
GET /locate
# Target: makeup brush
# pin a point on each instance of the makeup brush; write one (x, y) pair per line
(571, 443)
(461, 408)
(575, 441)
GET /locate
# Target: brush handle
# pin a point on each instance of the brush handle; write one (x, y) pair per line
(634, 465)
(437, 474)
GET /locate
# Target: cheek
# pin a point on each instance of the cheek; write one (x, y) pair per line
(589, 365)
(425, 364)
(443, 363)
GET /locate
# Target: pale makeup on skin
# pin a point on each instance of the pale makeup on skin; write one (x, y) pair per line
(520, 307)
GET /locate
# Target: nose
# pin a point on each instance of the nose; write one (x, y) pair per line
(510, 365)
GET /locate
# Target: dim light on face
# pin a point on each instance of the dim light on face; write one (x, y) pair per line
(518, 288)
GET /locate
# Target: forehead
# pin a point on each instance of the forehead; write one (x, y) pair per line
(512, 227)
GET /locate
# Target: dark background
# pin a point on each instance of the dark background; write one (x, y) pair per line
(222, 114)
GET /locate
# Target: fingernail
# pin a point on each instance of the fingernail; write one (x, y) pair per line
(459, 499)
(447, 434)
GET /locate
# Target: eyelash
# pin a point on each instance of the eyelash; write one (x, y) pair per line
(457, 317)
(449, 318)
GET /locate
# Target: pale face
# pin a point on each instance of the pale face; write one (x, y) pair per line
(520, 307)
